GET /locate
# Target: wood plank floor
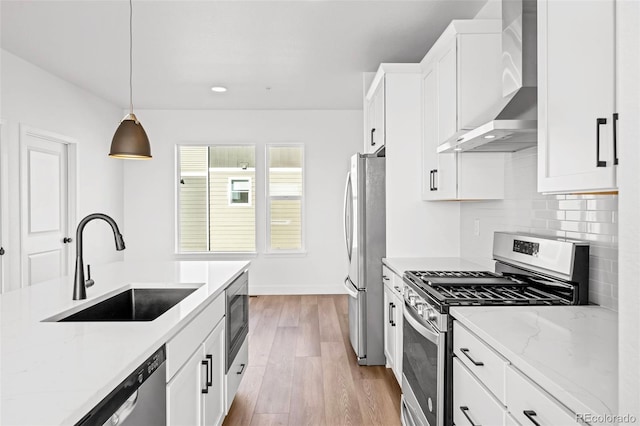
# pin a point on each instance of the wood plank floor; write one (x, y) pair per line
(302, 369)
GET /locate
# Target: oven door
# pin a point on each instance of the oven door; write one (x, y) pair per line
(423, 365)
(237, 316)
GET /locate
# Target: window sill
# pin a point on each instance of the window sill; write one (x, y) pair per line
(216, 256)
(285, 254)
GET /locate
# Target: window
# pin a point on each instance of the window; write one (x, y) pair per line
(239, 191)
(285, 188)
(216, 199)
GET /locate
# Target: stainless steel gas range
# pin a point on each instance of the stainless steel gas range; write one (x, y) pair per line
(530, 270)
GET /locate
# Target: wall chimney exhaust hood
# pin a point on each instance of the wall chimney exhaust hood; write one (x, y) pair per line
(515, 126)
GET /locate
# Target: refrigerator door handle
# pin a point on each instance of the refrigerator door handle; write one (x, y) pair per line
(351, 290)
(346, 220)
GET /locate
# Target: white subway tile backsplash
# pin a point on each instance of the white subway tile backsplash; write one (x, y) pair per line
(588, 217)
(572, 204)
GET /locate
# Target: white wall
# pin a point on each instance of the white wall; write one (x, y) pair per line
(330, 138)
(36, 98)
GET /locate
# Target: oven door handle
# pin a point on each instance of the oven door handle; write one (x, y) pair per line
(425, 331)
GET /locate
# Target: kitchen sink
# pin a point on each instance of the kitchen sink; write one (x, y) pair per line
(136, 304)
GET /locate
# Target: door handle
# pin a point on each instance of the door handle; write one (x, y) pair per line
(346, 220)
(599, 122)
(372, 141)
(241, 368)
(209, 370)
(435, 179)
(430, 180)
(389, 313)
(615, 138)
(465, 352)
(206, 376)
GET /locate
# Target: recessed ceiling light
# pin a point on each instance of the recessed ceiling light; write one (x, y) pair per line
(490, 137)
(457, 149)
(219, 89)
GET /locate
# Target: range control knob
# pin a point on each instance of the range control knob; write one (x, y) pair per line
(420, 308)
(431, 314)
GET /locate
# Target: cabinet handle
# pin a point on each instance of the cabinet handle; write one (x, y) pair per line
(66, 240)
(398, 289)
(393, 306)
(615, 138)
(432, 180)
(210, 370)
(435, 180)
(386, 278)
(1, 251)
(206, 374)
(372, 141)
(465, 352)
(530, 414)
(389, 313)
(465, 410)
(241, 368)
(599, 122)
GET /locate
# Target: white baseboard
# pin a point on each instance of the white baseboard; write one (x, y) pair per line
(299, 289)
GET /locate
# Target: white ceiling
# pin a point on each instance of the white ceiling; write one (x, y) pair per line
(310, 53)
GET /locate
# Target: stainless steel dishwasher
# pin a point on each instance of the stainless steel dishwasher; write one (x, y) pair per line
(140, 400)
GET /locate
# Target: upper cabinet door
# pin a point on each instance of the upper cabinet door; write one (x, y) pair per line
(375, 132)
(576, 96)
(447, 95)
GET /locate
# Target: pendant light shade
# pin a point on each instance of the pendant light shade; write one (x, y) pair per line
(130, 140)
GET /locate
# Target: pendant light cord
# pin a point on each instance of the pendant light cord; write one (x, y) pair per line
(131, 56)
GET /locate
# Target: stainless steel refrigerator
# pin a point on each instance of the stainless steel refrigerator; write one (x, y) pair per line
(364, 232)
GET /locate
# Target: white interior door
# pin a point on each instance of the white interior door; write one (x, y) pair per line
(44, 215)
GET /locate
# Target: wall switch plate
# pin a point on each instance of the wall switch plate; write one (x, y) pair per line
(476, 227)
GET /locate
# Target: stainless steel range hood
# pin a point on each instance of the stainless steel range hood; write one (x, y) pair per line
(515, 126)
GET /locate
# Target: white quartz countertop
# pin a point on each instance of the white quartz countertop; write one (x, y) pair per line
(401, 264)
(571, 351)
(54, 373)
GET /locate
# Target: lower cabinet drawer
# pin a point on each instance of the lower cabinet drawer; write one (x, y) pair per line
(236, 373)
(480, 359)
(530, 405)
(473, 404)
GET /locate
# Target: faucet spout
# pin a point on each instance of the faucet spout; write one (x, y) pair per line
(79, 289)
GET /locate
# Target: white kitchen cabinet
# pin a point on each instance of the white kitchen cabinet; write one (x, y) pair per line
(213, 404)
(472, 401)
(184, 404)
(576, 96)
(195, 370)
(528, 403)
(461, 88)
(393, 306)
(375, 120)
(386, 102)
(489, 390)
(196, 394)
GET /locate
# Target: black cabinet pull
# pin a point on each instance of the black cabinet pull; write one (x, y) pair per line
(465, 410)
(241, 368)
(209, 370)
(435, 180)
(599, 122)
(530, 414)
(389, 313)
(615, 138)
(206, 383)
(1, 251)
(393, 323)
(372, 132)
(465, 352)
(430, 180)
(66, 240)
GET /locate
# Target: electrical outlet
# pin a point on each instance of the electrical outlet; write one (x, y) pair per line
(476, 227)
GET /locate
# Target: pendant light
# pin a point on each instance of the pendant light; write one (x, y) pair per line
(130, 140)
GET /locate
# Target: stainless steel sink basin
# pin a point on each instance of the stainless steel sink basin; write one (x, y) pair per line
(136, 304)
